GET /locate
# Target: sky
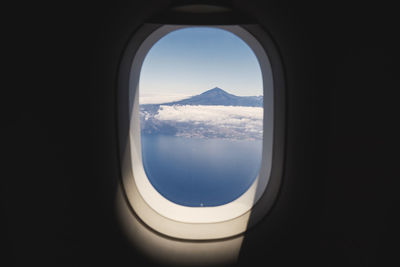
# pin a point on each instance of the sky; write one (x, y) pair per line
(192, 60)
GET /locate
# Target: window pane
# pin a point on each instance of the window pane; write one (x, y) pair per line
(201, 146)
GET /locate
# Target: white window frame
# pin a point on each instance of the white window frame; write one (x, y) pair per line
(199, 223)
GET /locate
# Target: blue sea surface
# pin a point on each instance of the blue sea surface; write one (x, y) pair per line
(200, 172)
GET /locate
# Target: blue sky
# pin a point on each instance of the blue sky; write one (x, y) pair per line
(192, 60)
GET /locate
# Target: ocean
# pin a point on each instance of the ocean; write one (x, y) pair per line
(198, 171)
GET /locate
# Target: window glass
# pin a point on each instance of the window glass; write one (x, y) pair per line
(201, 116)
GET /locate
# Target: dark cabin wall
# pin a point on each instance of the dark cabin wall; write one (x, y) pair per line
(337, 204)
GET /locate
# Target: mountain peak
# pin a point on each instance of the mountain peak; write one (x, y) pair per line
(218, 96)
(215, 90)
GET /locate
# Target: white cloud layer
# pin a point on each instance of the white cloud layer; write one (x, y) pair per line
(249, 119)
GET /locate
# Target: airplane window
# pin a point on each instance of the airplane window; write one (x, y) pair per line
(201, 116)
(201, 128)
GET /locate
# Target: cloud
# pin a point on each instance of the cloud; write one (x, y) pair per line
(232, 120)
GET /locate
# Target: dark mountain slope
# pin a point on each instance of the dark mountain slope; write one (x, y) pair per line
(217, 96)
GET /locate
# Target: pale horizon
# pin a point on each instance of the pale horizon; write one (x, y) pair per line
(159, 98)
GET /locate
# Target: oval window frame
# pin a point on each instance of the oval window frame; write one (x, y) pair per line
(200, 223)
